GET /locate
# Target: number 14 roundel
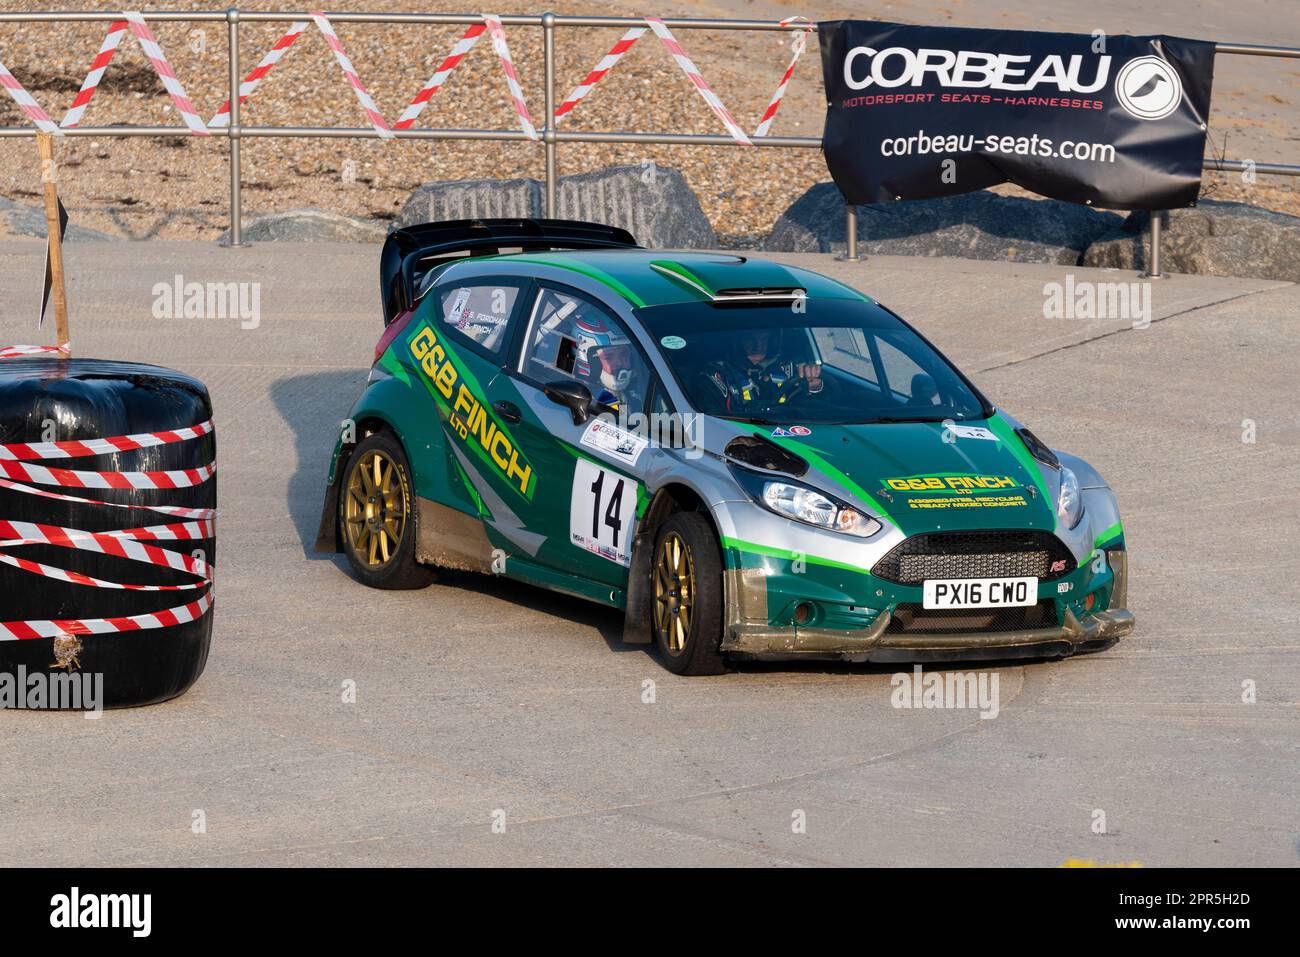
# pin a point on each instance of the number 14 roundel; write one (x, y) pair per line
(602, 512)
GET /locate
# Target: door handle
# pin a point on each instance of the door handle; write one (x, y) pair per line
(507, 410)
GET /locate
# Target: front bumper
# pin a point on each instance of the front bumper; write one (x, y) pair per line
(1077, 636)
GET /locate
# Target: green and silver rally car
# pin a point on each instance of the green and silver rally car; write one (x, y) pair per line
(749, 459)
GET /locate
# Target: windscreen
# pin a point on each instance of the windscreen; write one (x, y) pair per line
(815, 362)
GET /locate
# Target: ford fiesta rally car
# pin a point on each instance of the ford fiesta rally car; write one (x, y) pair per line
(749, 459)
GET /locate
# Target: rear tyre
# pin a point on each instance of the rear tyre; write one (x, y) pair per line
(377, 516)
(686, 586)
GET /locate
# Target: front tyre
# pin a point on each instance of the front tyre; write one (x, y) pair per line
(377, 516)
(686, 581)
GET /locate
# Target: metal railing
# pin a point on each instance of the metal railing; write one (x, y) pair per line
(548, 135)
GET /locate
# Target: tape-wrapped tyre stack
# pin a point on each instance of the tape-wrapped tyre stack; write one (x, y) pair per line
(146, 651)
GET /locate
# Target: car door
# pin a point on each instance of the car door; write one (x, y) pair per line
(459, 348)
(582, 519)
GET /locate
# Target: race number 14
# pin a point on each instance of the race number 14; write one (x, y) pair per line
(602, 512)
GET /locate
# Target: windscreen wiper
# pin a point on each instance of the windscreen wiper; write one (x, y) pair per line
(892, 419)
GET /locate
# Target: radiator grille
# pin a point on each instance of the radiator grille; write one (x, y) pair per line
(995, 554)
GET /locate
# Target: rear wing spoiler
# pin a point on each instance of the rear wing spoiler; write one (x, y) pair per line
(410, 253)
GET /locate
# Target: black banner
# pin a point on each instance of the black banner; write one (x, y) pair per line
(339, 908)
(1112, 121)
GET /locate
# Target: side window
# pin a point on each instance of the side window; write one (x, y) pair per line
(660, 404)
(907, 380)
(572, 338)
(846, 348)
(480, 313)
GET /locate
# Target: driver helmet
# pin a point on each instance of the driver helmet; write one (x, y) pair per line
(759, 347)
(603, 353)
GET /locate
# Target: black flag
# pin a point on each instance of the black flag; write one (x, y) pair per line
(49, 276)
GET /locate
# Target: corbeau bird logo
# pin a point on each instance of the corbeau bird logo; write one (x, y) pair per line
(1149, 88)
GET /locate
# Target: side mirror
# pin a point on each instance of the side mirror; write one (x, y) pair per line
(574, 395)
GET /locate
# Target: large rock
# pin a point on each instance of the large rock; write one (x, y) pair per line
(310, 225)
(654, 203)
(1214, 238)
(471, 199)
(980, 225)
(20, 220)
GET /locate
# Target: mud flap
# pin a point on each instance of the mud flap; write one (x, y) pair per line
(636, 620)
(327, 537)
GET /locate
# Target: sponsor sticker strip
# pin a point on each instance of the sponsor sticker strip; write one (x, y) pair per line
(435, 82)
(132, 544)
(697, 79)
(598, 72)
(116, 30)
(175, 90)
(512, 79)
(258, 72)
(799, 43)
(363, 95)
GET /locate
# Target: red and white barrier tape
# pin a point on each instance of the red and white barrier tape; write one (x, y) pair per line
(176, 511)
(116, 30)
(79, 448)
(132, 544)
(76, 578)
(71, 478)
(598, 72)
(26, 630)
(512, 79)
(697, 79)
(435, 82)
(363, 95)
(27, 103)
(22, 352)
(175, 90)
(125, 544)
(135, 22)
(260, 71)
(798, 44)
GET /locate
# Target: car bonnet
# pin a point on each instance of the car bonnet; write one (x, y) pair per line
(928, 476)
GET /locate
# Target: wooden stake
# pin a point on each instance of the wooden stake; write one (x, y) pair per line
(45, 143)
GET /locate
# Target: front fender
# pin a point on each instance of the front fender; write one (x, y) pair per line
(385, 403)
(1088, 476)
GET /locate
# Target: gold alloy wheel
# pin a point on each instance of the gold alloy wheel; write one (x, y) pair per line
(374, 512)
(674, 592)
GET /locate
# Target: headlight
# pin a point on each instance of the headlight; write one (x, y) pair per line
(1070, 505)
(804, 504)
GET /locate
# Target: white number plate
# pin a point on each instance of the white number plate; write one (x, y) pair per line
(980, 592)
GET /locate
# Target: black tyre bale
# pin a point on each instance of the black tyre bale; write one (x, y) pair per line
(89, 399)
